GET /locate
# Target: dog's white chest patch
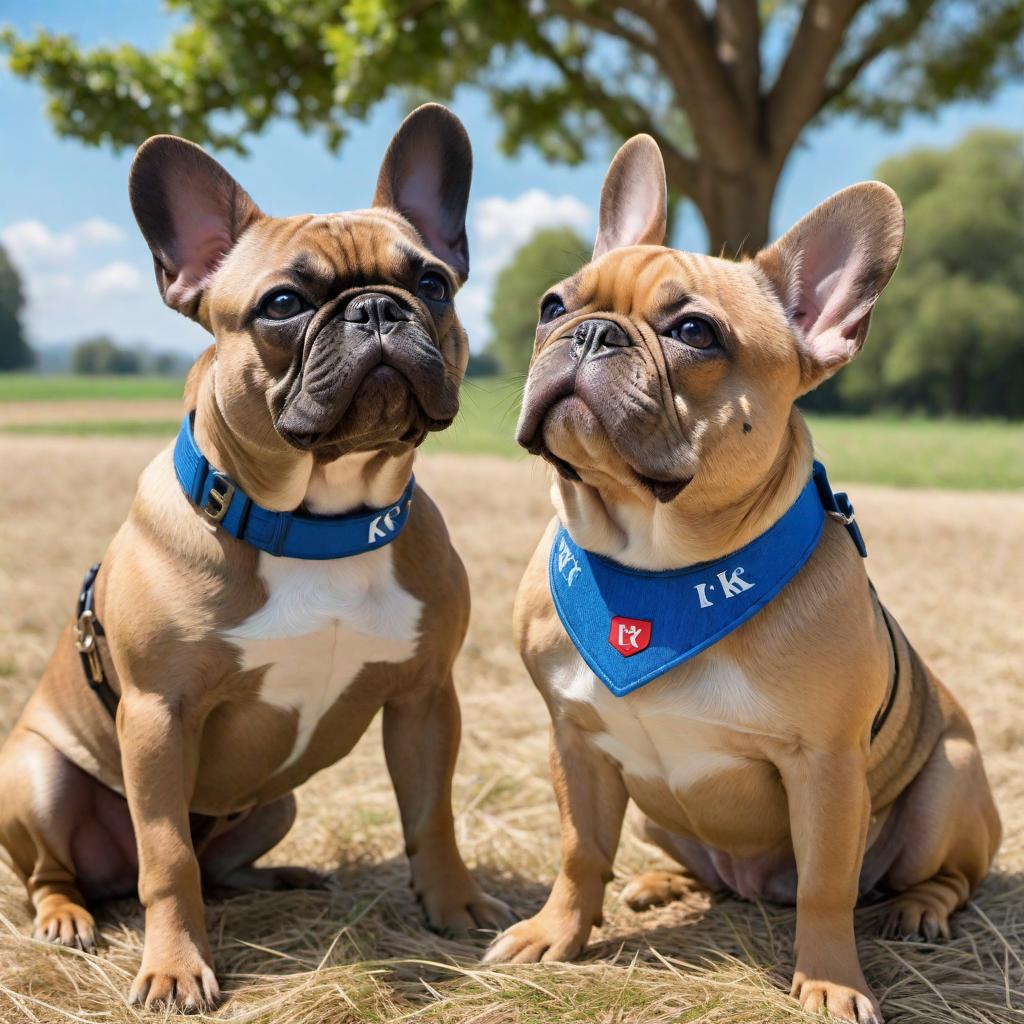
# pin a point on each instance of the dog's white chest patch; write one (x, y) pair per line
(322, 622)
(661, 731)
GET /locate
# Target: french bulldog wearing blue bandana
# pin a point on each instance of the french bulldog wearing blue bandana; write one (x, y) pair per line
(698, 617)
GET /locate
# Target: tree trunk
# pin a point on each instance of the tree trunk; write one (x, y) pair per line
(736, 207)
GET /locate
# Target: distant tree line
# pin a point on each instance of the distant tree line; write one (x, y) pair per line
(102, 356)
(542, 261)
(15, 352)
(948, 334)
(947, 337)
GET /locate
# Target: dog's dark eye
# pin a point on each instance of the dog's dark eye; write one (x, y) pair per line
(694, 331)
(551, 310)
(282, 305)
(433, 287)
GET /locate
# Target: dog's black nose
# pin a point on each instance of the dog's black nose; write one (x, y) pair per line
(377, 309)
(594, 336)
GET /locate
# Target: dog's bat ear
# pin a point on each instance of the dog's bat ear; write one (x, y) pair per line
(829, 269)
(633, 198)
(191, 213)
(425, 176)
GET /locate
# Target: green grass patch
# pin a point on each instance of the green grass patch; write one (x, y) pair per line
(31, 387)
(955, 454)
(489, 408)
(97, 428)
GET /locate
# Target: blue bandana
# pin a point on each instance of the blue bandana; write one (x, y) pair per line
(631, 626)
(288, 534)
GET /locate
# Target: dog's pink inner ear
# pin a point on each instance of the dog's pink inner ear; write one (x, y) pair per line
(829, 270)
(443, 229)
(830, 309)
(425, 176)
(633, 198)
(201, 241)
(190, 211)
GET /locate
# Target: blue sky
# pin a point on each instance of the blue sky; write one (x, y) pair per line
(64, 214)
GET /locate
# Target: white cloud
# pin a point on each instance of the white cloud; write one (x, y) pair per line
(97, 231)
(51, 284)
(473, 304)
(31, 243)
(498, 227)
(76, 286)
(115, 278)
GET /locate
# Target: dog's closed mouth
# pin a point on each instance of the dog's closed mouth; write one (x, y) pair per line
(562, 467)
(664, 490)
(531, 437)
(308, 425)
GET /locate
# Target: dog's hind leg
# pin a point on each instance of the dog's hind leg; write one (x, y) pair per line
(41, 799)
(227, 859)
(657, 887)
(691, 868)
(950, 831)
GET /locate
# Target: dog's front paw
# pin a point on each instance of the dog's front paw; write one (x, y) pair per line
(840, 1001)
(463, 909)
(549, 935)
(182, 984)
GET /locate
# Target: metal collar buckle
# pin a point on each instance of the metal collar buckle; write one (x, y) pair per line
(222, 490)
(85, 644)
(841, 517)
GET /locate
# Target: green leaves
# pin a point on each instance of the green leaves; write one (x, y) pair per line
(948, 335)
(565, 77)
(931, 52)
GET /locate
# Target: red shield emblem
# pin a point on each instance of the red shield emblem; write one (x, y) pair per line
(629, 636)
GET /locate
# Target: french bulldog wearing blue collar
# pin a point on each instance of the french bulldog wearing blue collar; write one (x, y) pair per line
(698, 617)
(279, 579)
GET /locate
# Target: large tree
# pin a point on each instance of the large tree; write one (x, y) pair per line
(726, 87)
(15, 352)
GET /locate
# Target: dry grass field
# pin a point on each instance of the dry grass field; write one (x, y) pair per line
(951, 566)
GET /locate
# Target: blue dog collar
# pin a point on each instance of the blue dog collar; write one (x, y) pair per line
(287, 534)
(631, 626)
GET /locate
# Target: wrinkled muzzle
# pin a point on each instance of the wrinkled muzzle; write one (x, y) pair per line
(598, 379)
(370, 370)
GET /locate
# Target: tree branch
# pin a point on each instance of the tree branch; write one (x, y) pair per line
(797, 93)
(738, 45)
(606, 23)
(625, 117)
(687, 57)
(888, 34)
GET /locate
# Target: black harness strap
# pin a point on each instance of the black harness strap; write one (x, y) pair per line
(88, 631)
(886, 709)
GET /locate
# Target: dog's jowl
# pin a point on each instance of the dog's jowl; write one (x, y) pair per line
(698, 615)
(280, 577)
